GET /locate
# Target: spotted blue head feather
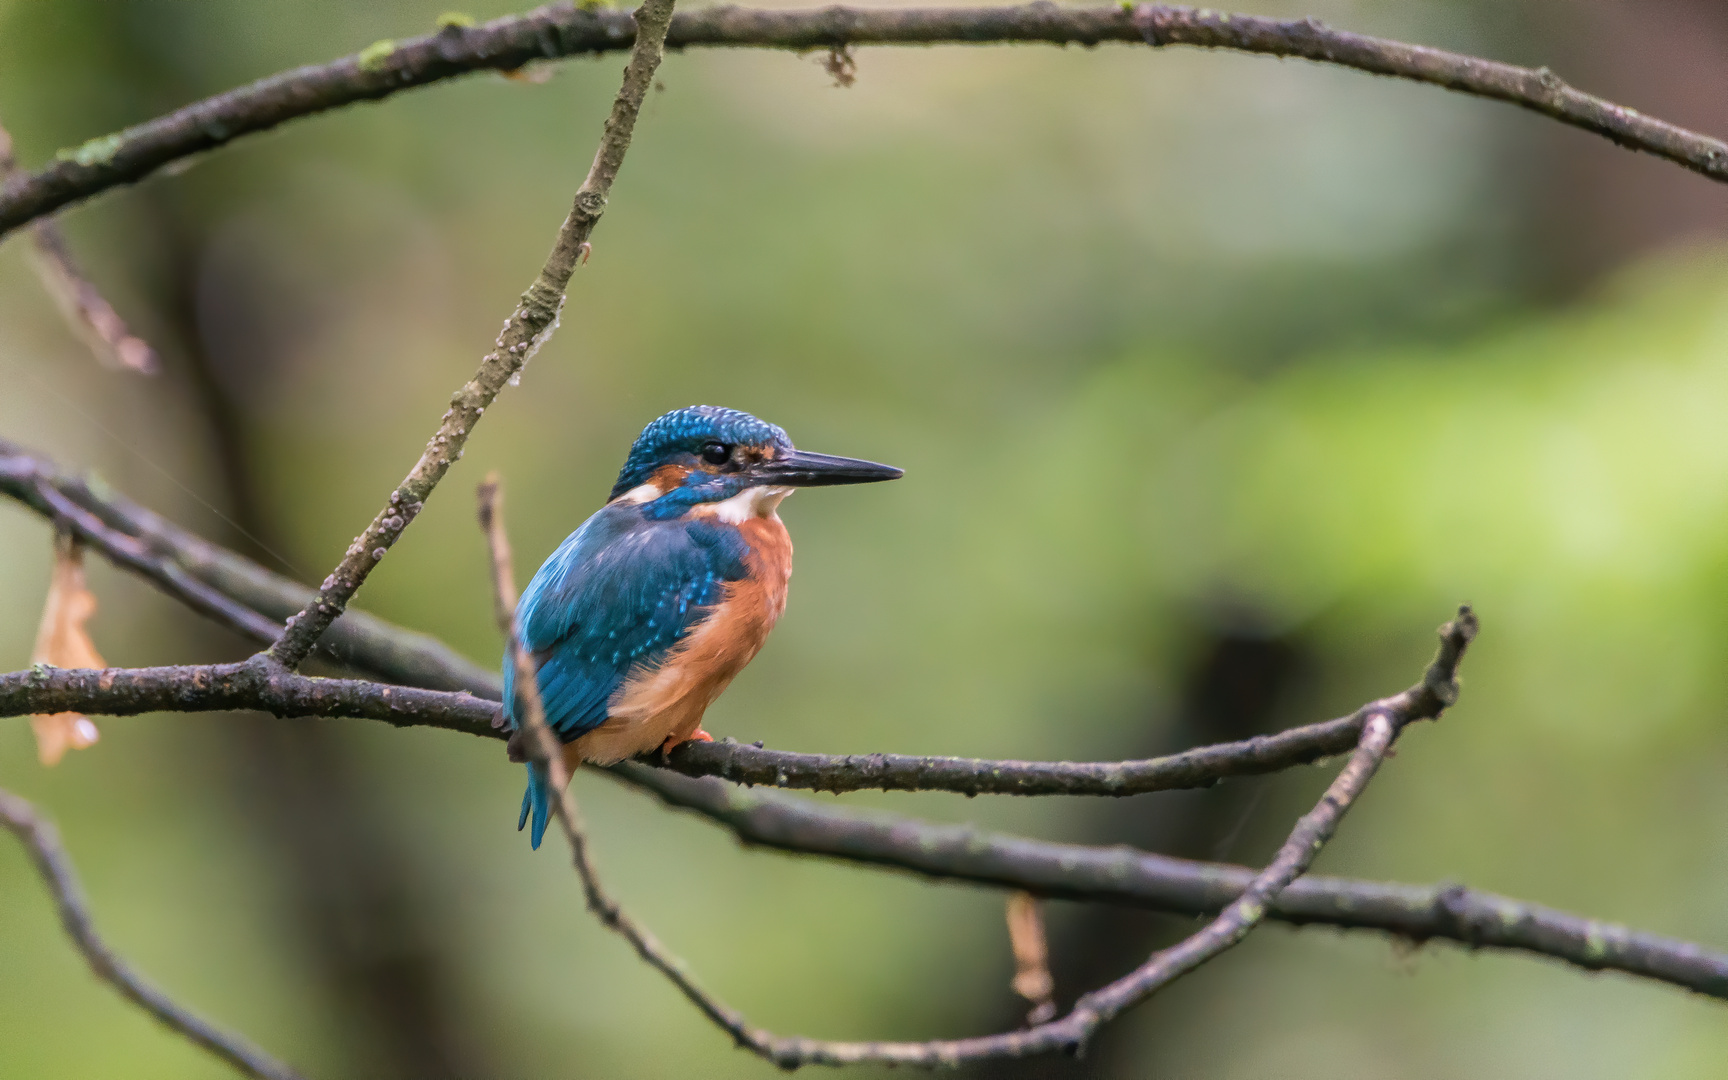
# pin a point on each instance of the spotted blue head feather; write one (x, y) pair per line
(685, 432)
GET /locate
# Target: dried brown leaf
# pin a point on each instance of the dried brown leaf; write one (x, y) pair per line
(1032, 979)
(62, 641)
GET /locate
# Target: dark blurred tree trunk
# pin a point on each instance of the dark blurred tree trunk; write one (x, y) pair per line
(299, 784)
(1241, 678)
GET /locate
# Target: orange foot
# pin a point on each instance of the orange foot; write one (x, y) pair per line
(673, 741)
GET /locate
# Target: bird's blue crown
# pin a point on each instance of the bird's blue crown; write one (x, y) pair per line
(684, 432)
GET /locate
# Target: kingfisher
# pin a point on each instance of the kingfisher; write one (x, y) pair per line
(646, 613)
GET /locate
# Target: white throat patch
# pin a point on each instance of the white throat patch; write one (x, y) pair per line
(753, 502)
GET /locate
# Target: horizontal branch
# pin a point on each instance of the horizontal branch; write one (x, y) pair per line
(42, 841)
(1200, 767)
(255, 684)
(559, 31)
(1134, 878)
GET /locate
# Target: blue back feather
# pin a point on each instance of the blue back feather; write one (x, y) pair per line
(618, 593)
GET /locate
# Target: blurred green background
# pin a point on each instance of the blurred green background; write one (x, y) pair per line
(1218, 382)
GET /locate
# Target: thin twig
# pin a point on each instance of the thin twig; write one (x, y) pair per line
(559, 30)
(19, 478)
(42, 841)
(90, 314)
(525, 331)
(1073, 1031)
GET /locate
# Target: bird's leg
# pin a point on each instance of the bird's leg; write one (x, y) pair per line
(673, 741)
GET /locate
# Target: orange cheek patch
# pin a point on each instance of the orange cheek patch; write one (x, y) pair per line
(667, 477)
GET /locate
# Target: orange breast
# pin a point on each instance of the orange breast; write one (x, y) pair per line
(667, 700)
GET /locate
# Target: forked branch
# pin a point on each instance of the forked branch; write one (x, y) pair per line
(525, 331)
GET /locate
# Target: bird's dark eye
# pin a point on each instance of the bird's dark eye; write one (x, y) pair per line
(716, 453)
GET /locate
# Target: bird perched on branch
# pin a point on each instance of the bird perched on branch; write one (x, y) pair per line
(644, 614)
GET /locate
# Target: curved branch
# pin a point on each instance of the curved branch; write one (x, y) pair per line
(1134, 878)
(559, 31)
(267, 687)
(42, 840)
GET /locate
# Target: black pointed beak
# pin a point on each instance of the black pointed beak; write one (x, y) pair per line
(800, 468)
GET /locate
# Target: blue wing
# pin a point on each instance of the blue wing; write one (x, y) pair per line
(619, 592)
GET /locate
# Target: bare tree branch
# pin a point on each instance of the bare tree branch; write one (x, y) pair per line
(1115, 875)
(253, 684)
(42, 841)
(1201, 767)
(558, 31)
(527, 328)
(90, 314)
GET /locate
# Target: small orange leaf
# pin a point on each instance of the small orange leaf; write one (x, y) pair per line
(1032, 979)
(62, 642)
(536, 74)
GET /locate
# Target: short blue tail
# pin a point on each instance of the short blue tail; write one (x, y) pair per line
(536, 805)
